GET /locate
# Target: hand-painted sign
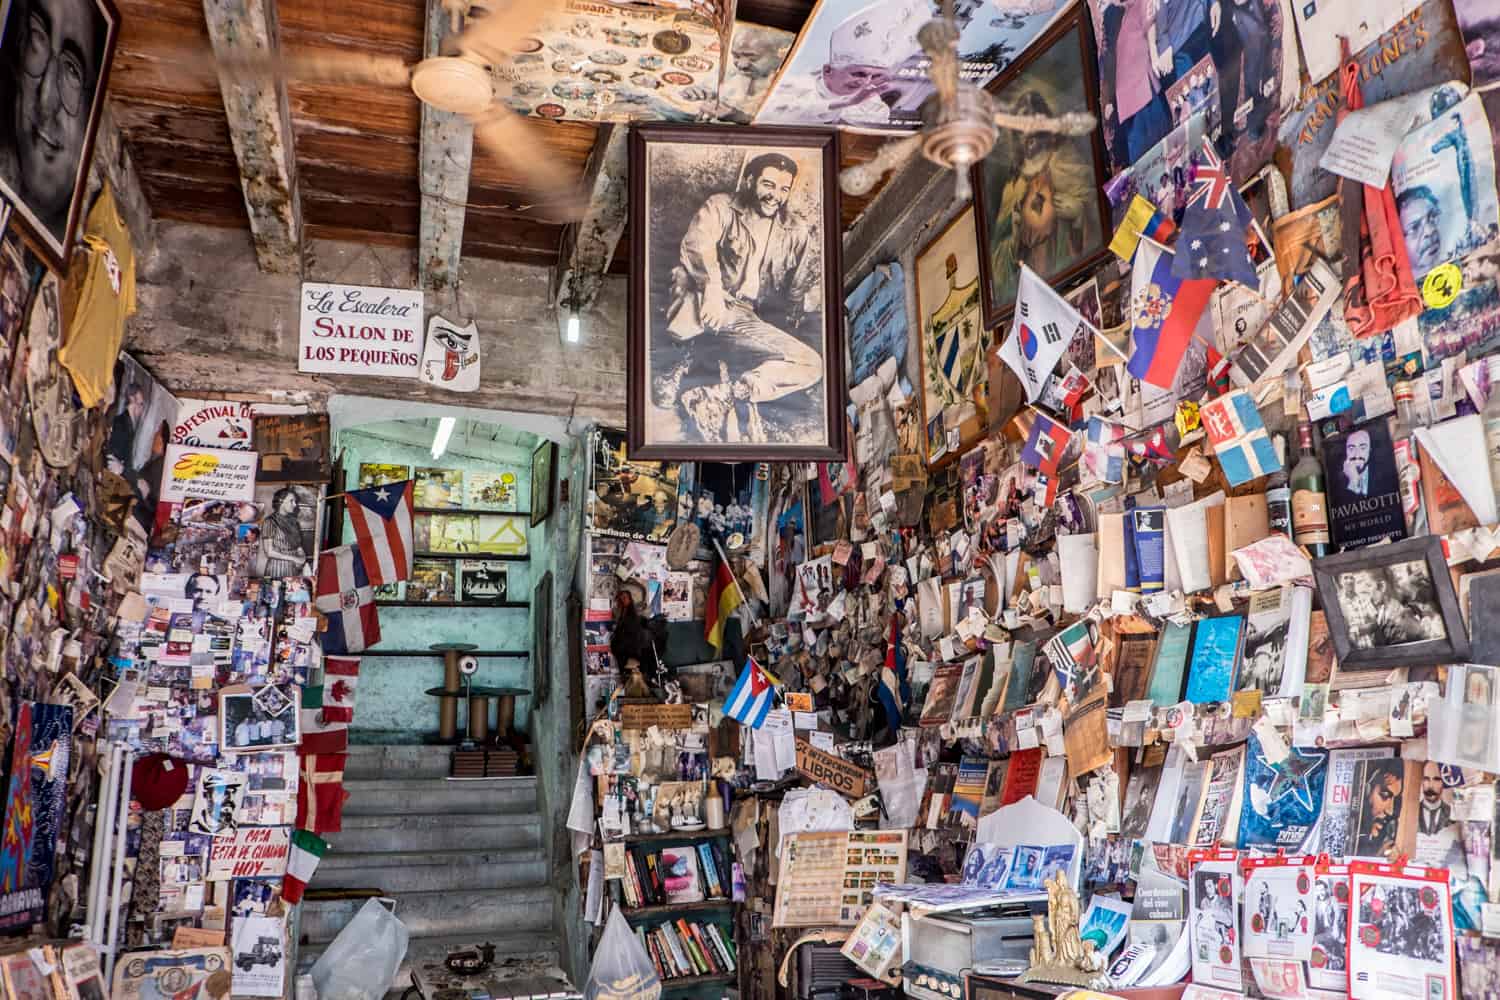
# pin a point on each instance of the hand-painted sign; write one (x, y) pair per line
(359, 330)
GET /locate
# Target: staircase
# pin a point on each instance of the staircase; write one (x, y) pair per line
(463, 859)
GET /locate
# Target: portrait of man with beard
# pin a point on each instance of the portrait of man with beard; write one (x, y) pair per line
(55, 56)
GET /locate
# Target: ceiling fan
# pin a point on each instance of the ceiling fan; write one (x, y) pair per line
(960, 121)
(459, 80)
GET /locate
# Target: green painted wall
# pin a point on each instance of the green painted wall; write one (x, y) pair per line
(392, 707)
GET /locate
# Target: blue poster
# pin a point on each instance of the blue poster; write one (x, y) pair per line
(34, 811)
(877, 321)
(1216, 646)
(1282, 802)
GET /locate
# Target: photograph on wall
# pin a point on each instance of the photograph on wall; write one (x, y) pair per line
(952, 338)
(432, 581)
(500, 535)
(446, 532)
(1444, 180)
(725, 359)
(490, 490)
(382, 474)
(482, 580)
(216, 801)
(140, 427)
(288, 530)
(438, 488)
(262, 718)
(630, 499)
(1392, 605)
(858, 62)
(1037, 195)
(543, 481)
(57, 56)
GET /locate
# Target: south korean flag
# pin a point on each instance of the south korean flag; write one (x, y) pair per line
(1043, 326)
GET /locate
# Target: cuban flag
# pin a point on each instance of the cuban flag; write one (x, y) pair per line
(382, 517)
(347, 600)
(751, 697)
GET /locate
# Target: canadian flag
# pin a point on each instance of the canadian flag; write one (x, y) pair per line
(340, 675)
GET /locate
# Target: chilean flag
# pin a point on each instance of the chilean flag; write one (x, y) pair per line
(347, 600)
(382, 517)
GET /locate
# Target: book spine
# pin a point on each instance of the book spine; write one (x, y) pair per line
(711, 932)
(712, 882)
(669, 953)
(658, 891)
(650, 947)
(724, 868)
(679, 955)
(700, 962)
(710, 954)
(726, 939)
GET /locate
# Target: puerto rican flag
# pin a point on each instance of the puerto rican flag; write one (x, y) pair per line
(382, 517)
(340, 676)
(347, 599)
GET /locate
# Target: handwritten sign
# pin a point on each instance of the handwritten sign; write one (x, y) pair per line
(843, 777)
(660, 716)
(253, 852)
(360, 330)
(208, 474)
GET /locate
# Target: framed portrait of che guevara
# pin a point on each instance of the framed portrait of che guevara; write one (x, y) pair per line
(55, 57)
(735, 348)
(1038, 196)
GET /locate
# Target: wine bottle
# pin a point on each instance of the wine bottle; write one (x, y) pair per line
(1309, 498)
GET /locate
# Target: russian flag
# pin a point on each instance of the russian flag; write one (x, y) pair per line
(1164, 311)
(751, 697)
(382, 517)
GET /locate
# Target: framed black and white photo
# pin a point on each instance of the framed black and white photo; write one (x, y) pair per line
(543, 481)
(735, 345)
(288, 529)
(1392, 606)
(56, 56)
(482, 580)
(262, 718)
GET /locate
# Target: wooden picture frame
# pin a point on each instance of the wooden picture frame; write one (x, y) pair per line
(699, 384)
(1031, 85)
(48, 199)
(952, 343)
(1383, 602)
(541, 639)
(543, 481)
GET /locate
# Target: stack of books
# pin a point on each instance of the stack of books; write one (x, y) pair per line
(678, 874)
(683, 948)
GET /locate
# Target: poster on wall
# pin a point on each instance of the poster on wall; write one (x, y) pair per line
(214, 423)
(450, 359)
(360, 330)
(33, 811)
(208, 474)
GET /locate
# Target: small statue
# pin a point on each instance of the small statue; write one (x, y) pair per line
(1041, 945)
(1059, 954)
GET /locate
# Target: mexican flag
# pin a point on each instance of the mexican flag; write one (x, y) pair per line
(307, 850)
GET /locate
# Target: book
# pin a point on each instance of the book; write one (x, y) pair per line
(1281, 803)
(1131, 675)
(1267, 623)
(968, 791)
(963, 700)
(1022, 776)
(1022, 657)
(942, 693)
(680, 878)
(1383, 813)
(1220, 796)
(1140, 792)
(1364, 492)
(1188, 805)
(1052, 782)
(994, 782)
(1338, 796)
(1169, 664)
(1211, 665)
(712, 887)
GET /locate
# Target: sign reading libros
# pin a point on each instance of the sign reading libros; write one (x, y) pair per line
(359, 330)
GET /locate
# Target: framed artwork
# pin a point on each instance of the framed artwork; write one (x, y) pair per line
(57, 56)
(438, 489)
(1392, 606)
(953, 339)
(728, 362)
(1038, 197)
(541, 632)
(543, 481)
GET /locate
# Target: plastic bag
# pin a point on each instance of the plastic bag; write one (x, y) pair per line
(622, 970)
(362, 962)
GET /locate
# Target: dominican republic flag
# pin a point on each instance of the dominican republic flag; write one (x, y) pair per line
(1164, 310)
(1043, 327)
(382, 517)
(319, 735)
(301, 861)
(751, 697)
(340, 675)
(1215, 226)
(347, 600)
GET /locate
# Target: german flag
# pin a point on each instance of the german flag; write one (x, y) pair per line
(723, 597)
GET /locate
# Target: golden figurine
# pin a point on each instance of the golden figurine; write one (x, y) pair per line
(1058, 953)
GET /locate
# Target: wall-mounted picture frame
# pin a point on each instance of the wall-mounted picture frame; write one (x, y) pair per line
(726, 364)
(1038, 196)
(952, 340)
(543, 481)
(57, 59)
(1392, 606)
(541, 639)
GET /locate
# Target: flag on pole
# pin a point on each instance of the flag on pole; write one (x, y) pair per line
(1141, 219)
(724, 597)
(1043, 327)
(307, 850)
(1215, 226)
(1164, 310)
(340, 675)
(347, 600)
(1045, 444)
(750, 698)
(894, 690)
(382, 517)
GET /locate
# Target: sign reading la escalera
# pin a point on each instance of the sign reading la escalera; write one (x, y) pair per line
(360, 330)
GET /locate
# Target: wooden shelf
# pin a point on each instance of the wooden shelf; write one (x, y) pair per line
(453, 604)
(498, 653)
(663, 909)
(472, 556)
(685, 981)
(657, 838)
(473, 510)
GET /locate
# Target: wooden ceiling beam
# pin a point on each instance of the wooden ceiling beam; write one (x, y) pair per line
(260, 127)
(447, 152)
(588, 246)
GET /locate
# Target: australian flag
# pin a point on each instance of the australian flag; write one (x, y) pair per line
(1215, 226)
(347, 600)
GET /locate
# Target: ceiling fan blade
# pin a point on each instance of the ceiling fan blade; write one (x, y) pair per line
(1067, 123)
(515, 143)
(861, 178)
(305, 66)
(494, 36)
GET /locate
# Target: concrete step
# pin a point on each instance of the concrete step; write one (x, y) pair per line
(396, 761)
(395, 872)
(429, 914)
(536, 947)
(408, 796)
(437, 832)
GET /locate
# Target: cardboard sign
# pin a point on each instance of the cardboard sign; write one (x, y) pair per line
(208, 473)
(360, 330)
(253, 852)
(835, 772)
(214, 423)
(660, 716)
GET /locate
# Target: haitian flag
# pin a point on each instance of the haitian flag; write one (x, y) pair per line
(347, 600)
(382, 517)
(1215, 226)
(1045, 444)
(1164, 309)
